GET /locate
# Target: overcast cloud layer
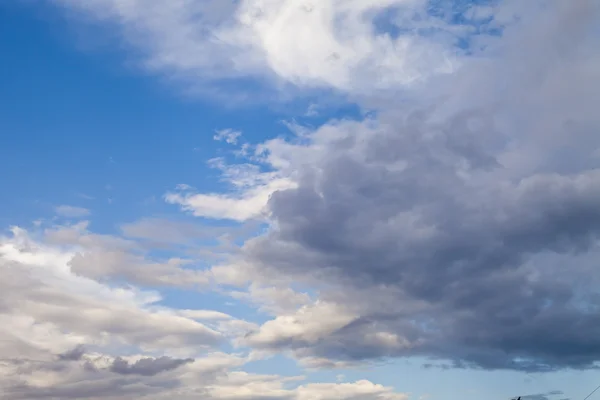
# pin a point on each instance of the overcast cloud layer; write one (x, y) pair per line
(458, 221)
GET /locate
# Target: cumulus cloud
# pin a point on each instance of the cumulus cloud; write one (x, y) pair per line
(71, 337)
(104, 377)
(462, 227)
(107, 257)
(46, 307)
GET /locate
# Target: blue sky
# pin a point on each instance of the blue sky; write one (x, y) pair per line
(97, 118)
(299, 200)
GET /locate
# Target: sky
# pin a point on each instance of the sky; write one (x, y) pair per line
(299, 199)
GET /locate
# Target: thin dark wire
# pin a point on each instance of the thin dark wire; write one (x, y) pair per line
(592, 393)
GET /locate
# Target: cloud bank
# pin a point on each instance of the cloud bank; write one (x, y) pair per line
(470, 214)
(67, 336)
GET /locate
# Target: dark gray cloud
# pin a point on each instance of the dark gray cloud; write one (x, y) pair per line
(552, 395)
(86, 379)
(464, 252)
(147, 366)
(475, 230)
(73, 355)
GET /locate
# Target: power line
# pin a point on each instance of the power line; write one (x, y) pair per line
(586, 397)
(594, 391)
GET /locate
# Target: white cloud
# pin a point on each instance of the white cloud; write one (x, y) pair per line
(276, 300)
(229, 136)
(251, 192)
(72, 211)
(312, 110)
(113, 257)
(327, 44)
(348, 391)
(61, 336)
(248, 205)
(205, 315)
(308, 325)
(42, 294)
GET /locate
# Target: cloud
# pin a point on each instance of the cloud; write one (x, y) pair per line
(100, 376)
(358, 390)
(72, 211)
(74, 354)
(205, 314)
(106, 257)
(276, 300)
(46, 307)
(463, 227)
(246, 386)
(312, 111)
(165, 232)
(459, 221)
(308, 325)
(70, 337)
(251, 190)
(229, 136)
(545, 396)
(249, 205)
(193, 246)
(104, 377)
(147, 366)
(352, 47)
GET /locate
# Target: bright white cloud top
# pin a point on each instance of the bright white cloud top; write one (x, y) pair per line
(456, 220)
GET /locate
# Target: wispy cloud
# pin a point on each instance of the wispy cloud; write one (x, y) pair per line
(72, 211)
(229, 136)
